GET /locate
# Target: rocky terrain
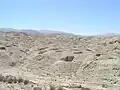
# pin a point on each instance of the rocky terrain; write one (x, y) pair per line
(59, 62)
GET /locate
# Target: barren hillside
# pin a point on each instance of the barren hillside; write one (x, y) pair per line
(70, 62)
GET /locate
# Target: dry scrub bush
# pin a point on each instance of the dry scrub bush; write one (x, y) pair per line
(85, 88)
(1, 78)
(26, 82)
(20, 80)
(52, 87)
(37, 88)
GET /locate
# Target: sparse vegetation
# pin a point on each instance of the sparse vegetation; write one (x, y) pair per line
(84, 60)
(13, 79)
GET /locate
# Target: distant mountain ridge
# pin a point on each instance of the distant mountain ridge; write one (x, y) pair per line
(34, 32)
(110, 34)
(47, 32)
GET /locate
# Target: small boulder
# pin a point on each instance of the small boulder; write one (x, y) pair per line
(104, 86)
(2, 48)
(68, 58)
(98, 55)
(12, 64)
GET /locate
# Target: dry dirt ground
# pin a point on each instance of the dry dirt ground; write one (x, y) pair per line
(72, 63)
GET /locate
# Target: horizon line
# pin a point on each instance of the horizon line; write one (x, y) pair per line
(64, 31)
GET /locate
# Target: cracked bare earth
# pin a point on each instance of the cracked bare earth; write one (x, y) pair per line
(59, 62)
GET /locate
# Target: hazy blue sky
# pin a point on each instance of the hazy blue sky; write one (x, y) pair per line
(78, 16)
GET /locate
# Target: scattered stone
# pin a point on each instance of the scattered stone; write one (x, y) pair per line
(58, 51)
(42, 52)
(43, 48)
(104, 86)
(2, 48)
(98, 54)
(73, 86)
(115, 68)
(78, 52)
(115, 41)
(54, 49)
(89, 49)
(10, 53)
(12, 64)
(87, 62)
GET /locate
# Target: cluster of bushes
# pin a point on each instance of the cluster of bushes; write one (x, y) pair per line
(59, 88)
(12, 79)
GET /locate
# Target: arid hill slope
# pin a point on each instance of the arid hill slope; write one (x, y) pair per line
(66, 61)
